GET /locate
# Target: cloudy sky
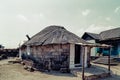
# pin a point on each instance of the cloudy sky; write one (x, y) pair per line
(21, 17)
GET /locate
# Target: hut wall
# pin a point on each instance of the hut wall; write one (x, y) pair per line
(48, 50)
(52, 51)
(28, 50)
(57, 52)
(62, 53)
(23, 50)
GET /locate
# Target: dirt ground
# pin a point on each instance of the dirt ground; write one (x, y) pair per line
(16, 72)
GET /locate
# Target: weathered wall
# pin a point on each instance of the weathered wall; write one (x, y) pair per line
(58, 53)
(48, 51)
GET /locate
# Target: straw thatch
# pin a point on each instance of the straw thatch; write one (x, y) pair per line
(54, 35)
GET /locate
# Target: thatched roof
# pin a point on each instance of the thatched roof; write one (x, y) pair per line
(54, 35)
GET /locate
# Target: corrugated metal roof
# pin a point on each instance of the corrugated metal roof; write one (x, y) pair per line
(105, 35)
(93, 35)
(109, 34)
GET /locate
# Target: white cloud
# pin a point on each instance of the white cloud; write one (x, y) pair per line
(22, 17)
(86, 12)
(98, 28)
(107, 18)
(117, 9)
(93, 28)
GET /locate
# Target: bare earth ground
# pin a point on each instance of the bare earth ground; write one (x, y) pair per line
(16, 72)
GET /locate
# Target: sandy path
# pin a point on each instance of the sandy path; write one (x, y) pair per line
(16, 72)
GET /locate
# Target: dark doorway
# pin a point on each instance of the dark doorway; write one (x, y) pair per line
(77, 53)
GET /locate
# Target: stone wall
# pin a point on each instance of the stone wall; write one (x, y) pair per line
(59, 53)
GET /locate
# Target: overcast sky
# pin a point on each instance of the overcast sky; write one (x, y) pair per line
(21, 17)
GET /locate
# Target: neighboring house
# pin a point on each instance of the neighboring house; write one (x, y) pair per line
(92, 38)
(110, 37)
(56, 43)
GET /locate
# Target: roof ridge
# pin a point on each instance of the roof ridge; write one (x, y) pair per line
(111, 33)
(110, 29)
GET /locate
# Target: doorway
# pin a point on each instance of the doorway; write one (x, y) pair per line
(77, 54)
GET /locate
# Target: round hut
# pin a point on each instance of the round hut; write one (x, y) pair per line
(56, 45)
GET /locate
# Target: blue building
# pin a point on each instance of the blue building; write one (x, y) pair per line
(110, 37)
